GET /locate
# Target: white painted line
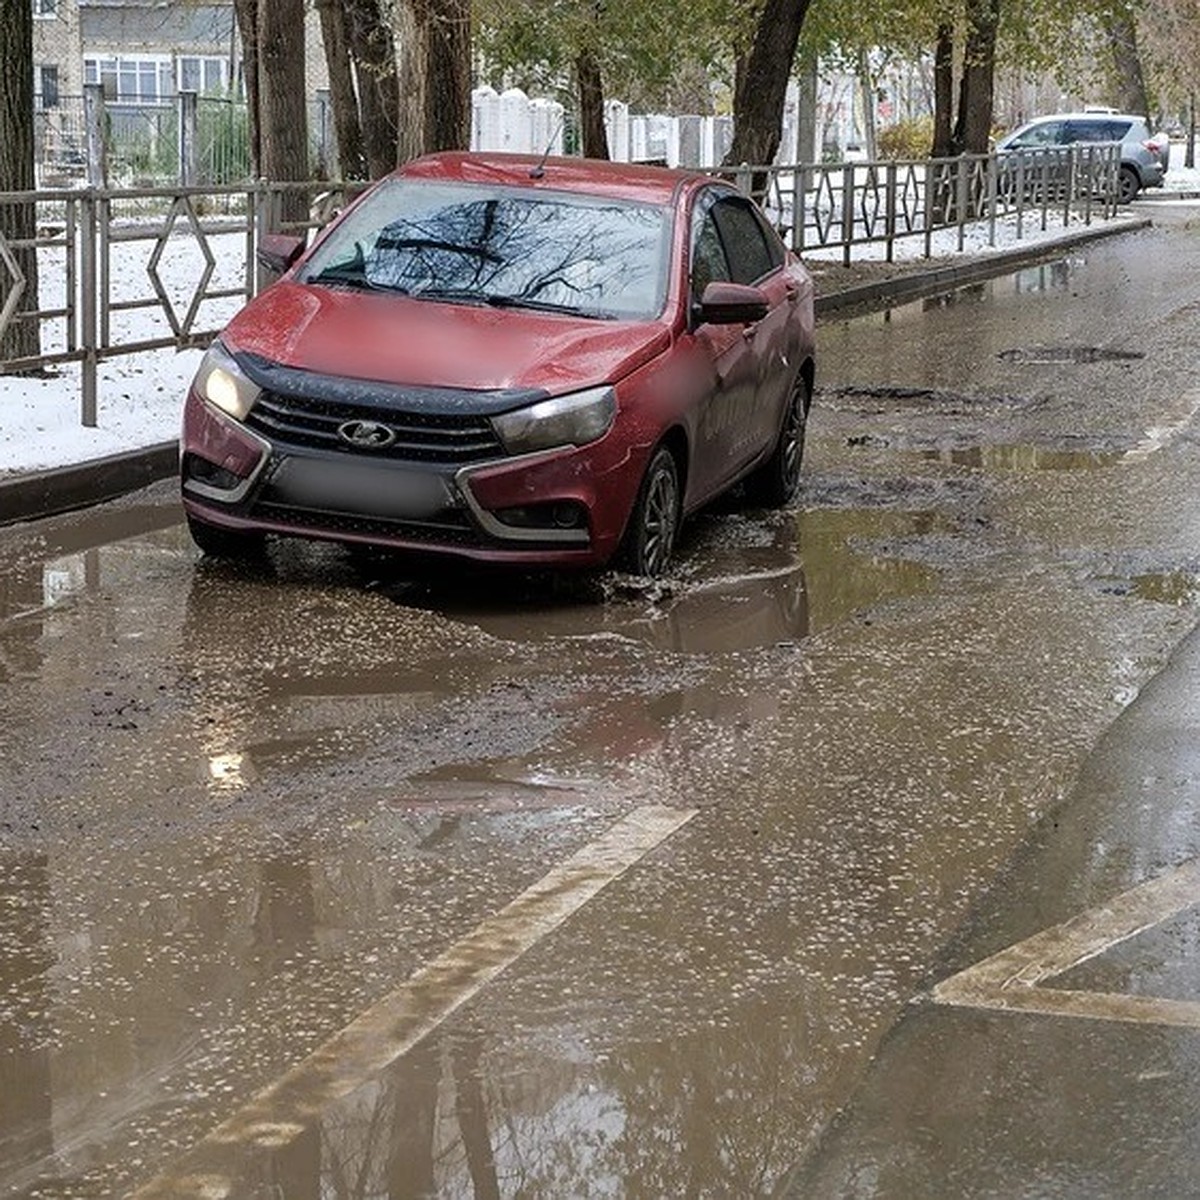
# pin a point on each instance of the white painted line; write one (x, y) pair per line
(1011, 980)
(1158, 437)
(394, 1025)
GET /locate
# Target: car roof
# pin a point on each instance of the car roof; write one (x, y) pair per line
(626, 181)
(1094, 115)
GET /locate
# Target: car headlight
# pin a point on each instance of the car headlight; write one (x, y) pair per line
(221, 382)
(572, 420)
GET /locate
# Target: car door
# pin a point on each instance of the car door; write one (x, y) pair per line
(756, 256)
(727, 364)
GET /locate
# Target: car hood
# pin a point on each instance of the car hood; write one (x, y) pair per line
(399, 340)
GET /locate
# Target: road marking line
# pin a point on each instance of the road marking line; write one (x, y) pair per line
(1158, 437)
(1010, 980)
(395, 1024)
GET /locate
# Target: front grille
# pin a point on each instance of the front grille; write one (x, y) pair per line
(450, 529)
(420, 437)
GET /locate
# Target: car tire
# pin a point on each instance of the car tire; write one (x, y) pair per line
(654, 522)
(775, 483)
(1129, 185)
(231, 544)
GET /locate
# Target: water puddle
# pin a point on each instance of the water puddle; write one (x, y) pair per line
(740, 585)
(1023, 458)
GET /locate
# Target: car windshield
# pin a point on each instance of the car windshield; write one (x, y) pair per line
(511, 247)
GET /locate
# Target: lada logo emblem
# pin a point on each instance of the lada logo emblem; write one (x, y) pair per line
(366, 435)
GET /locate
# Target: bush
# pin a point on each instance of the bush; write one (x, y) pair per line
(907, 139)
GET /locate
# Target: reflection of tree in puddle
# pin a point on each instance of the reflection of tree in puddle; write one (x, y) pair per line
(720, 1112)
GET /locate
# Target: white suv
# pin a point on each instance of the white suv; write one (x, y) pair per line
(1144, 156)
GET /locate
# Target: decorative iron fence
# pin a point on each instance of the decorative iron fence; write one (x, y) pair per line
(848, 205)
(121, 271)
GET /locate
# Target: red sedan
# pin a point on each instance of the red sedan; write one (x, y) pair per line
(507, 359)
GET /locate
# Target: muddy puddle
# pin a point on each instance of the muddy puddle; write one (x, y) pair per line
(1023, 458)
(739, 584)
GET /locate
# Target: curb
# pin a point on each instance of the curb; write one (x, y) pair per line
(883, 293)
(36, 494)
(61, 489)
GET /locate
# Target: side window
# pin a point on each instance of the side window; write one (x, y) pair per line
(1093, 131)
(1046, 134)
(1117, 131)
(775, 247)
(745, 241)
(708, 257)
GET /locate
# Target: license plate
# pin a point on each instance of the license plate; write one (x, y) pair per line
(362, 489)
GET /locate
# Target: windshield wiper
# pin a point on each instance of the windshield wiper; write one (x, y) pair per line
(500, 300)
(354, 278)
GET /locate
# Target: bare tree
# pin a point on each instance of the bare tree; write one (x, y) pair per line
(761, 77)
(447, 121)
(373, 51)
(1130, 81)
(283, 114)
(18, 222)
(347, 124)
(591, 104)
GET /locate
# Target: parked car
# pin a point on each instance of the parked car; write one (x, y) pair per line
(509, 359)
(1144, 156)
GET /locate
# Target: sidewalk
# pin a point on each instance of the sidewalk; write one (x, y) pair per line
(29, 488)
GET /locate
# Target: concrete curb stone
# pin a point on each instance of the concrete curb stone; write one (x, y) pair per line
(31, 495)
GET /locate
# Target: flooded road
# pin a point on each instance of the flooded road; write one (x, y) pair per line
(335, 880)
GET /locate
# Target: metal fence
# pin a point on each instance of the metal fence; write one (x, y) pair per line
(108, 256)
(849, 205)
(187, 139)
(126, 270)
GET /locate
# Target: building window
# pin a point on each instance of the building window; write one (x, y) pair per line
(44, 9)
(203, 73)
(47, 87)
(146, 80)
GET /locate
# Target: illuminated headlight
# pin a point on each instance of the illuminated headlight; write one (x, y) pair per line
(572, 420)
(221, 382)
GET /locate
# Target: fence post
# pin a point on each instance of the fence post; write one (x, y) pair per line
(1072, 184)
(961, 197)
(94, 135)
(891, 211)
(87, 305)
(993, 198)
(847, 212)
(187, 139)
(932, 169)
(800, 182)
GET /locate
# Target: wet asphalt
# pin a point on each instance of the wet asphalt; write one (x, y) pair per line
(297, 820)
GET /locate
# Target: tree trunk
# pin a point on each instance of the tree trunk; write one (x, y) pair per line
(284, 128)
(943, 93)
(412, 36)
(447, 121)
(374, 54)
(1189, 155)
(977, 93)
(18, 222)
(352, 162)
(1131, 84)
(591, 105)
(246, 12)
(760, 83)
(867, 87)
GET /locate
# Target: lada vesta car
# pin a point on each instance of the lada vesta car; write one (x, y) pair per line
(506, 359)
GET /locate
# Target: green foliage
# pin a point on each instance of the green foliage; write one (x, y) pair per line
(906, 139)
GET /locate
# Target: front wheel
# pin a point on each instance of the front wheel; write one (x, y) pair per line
(232, 544)
(654, 523)
(775, 483)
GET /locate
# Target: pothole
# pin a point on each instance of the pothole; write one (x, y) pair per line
(1023, 458)
(1066, 355)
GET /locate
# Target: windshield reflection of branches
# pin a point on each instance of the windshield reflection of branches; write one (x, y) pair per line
(598, 259)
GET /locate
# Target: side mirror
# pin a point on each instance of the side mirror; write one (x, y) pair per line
(732, 304)
(279, 251)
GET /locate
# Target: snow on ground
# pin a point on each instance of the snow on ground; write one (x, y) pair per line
(141, 395)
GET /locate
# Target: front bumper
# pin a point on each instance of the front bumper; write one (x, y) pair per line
(563, 506)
